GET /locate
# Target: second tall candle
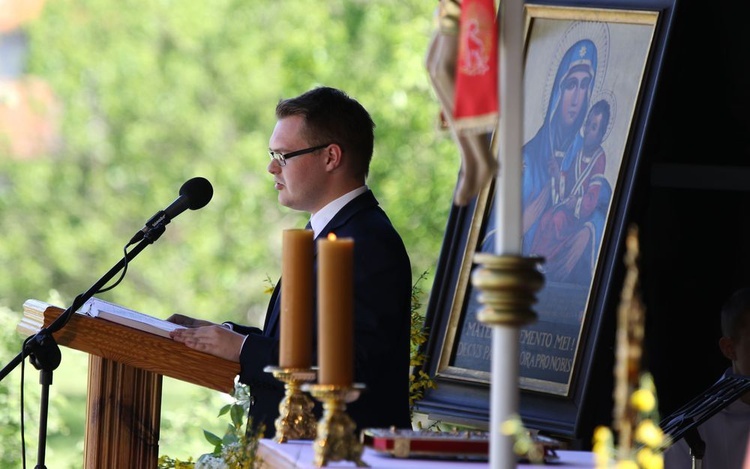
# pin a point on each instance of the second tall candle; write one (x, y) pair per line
(335, 311)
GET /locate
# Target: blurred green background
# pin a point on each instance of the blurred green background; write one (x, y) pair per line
(151, 93)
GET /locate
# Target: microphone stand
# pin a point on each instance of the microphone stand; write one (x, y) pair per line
(43, 351)
(684, 422)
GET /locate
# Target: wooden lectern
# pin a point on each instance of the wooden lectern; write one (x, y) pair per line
(126, 367)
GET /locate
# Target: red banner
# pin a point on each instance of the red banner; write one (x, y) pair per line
(477, 103)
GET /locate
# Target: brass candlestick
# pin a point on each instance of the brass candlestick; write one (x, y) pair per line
(296, 420)
(336, 439)
(508, 286)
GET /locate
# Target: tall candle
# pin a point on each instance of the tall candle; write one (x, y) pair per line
(504, 398)
(508, 203)
(295, 348)
(335, 311)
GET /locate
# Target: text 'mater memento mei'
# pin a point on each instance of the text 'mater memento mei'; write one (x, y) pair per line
(295, 348)
(335, 311)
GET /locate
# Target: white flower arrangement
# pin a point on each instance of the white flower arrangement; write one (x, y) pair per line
(237, 449)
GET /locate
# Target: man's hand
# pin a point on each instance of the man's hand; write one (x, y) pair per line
(214, 339)
(187, 321)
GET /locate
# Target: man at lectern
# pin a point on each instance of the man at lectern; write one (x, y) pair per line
(726, 433)
(320, 151)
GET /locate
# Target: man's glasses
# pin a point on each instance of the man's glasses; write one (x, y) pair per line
(281, 158)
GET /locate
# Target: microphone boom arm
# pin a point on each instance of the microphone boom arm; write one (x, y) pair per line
(77, 303)
(41, 348)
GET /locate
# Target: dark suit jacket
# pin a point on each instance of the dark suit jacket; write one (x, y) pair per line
(382, 325)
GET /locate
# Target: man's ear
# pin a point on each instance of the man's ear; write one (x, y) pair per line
(726, 345)
(333, 156)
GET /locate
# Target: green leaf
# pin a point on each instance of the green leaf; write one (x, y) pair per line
(224, 409)
(215, 440)
(238, 415)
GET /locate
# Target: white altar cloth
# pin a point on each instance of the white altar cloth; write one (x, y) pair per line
(299, 454)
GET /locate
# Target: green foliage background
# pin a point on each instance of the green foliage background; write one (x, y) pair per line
(154, 92)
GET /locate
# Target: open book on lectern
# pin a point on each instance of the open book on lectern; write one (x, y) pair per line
(98, 308)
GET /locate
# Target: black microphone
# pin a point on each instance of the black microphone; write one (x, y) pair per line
(194, 194)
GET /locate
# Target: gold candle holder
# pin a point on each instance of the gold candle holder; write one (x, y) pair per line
(508, 287)
(336, 439)
(296, 420)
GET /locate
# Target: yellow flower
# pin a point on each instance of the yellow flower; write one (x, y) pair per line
(648, 433)
(512, 426)
(522, 446)
(603, 435)
(649, 460)
(643, 400)
(603, 446)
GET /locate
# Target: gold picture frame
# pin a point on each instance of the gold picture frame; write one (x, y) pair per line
(624, 49)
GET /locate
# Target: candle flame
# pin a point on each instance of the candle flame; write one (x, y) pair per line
(331, 237)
